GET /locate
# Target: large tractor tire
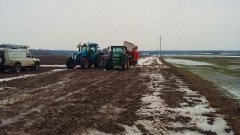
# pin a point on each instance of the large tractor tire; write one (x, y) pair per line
(99, 62)
(84, 63)
(17, 68)
(36, 66)
(70, 63)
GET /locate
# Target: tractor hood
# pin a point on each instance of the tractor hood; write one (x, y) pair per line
(76, 55)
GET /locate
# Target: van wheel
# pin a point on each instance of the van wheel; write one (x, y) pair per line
(36, 66)
(17, 68)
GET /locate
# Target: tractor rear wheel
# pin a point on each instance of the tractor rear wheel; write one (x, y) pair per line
(84, 63)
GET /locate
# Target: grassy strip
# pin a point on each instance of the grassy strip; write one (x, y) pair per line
(224, 104)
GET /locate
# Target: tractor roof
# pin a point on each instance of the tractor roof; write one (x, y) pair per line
(88, 44)
(91, 44)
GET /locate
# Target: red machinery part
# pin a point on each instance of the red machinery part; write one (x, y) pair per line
(135, 55)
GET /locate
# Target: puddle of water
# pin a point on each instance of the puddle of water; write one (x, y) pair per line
(187, 62)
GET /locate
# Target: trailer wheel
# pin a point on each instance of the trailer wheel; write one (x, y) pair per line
(84, 63)
(17, 68)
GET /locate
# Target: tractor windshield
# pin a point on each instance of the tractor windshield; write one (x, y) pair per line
(84, 48)
(117, 52)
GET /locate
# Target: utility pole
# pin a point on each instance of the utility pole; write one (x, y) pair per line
(160, 47)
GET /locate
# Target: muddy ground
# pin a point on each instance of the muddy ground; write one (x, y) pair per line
(141, 100)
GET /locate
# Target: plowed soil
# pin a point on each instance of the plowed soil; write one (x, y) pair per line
(70, 101)
(140, 100)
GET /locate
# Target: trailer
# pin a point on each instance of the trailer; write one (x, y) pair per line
(122, 56)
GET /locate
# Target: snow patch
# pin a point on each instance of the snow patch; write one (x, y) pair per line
(14, 78)
(30, 75)
(156, 110)
(56, 66)
(148, 61)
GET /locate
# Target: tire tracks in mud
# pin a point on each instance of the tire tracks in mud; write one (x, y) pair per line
(75, 104)
(141, 100)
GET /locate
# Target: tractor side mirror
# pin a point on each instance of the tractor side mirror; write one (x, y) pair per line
(108, 48)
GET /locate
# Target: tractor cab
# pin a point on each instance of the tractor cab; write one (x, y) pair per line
(88, 47)
(118, 58)
(117, 53)
(86, 56)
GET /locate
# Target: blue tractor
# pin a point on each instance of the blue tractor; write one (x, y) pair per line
(87, 56)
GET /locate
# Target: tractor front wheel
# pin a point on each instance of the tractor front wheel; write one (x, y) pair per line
(84, 63)
(70, 63)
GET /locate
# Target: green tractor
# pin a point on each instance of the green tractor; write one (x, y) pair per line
(118, 58)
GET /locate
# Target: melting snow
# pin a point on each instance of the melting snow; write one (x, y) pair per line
(57, 66)
(30, 75)
(14, 78)
(147, 61)
(187, 62)
(155, 107)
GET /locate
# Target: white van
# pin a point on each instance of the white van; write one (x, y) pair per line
(17, 57)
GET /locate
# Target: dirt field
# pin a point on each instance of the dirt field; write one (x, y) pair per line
(141, 100)
(53, 59)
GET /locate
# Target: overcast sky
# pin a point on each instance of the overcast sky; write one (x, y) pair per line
(62, 24)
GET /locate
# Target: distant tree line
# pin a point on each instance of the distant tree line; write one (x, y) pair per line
(50, 52)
